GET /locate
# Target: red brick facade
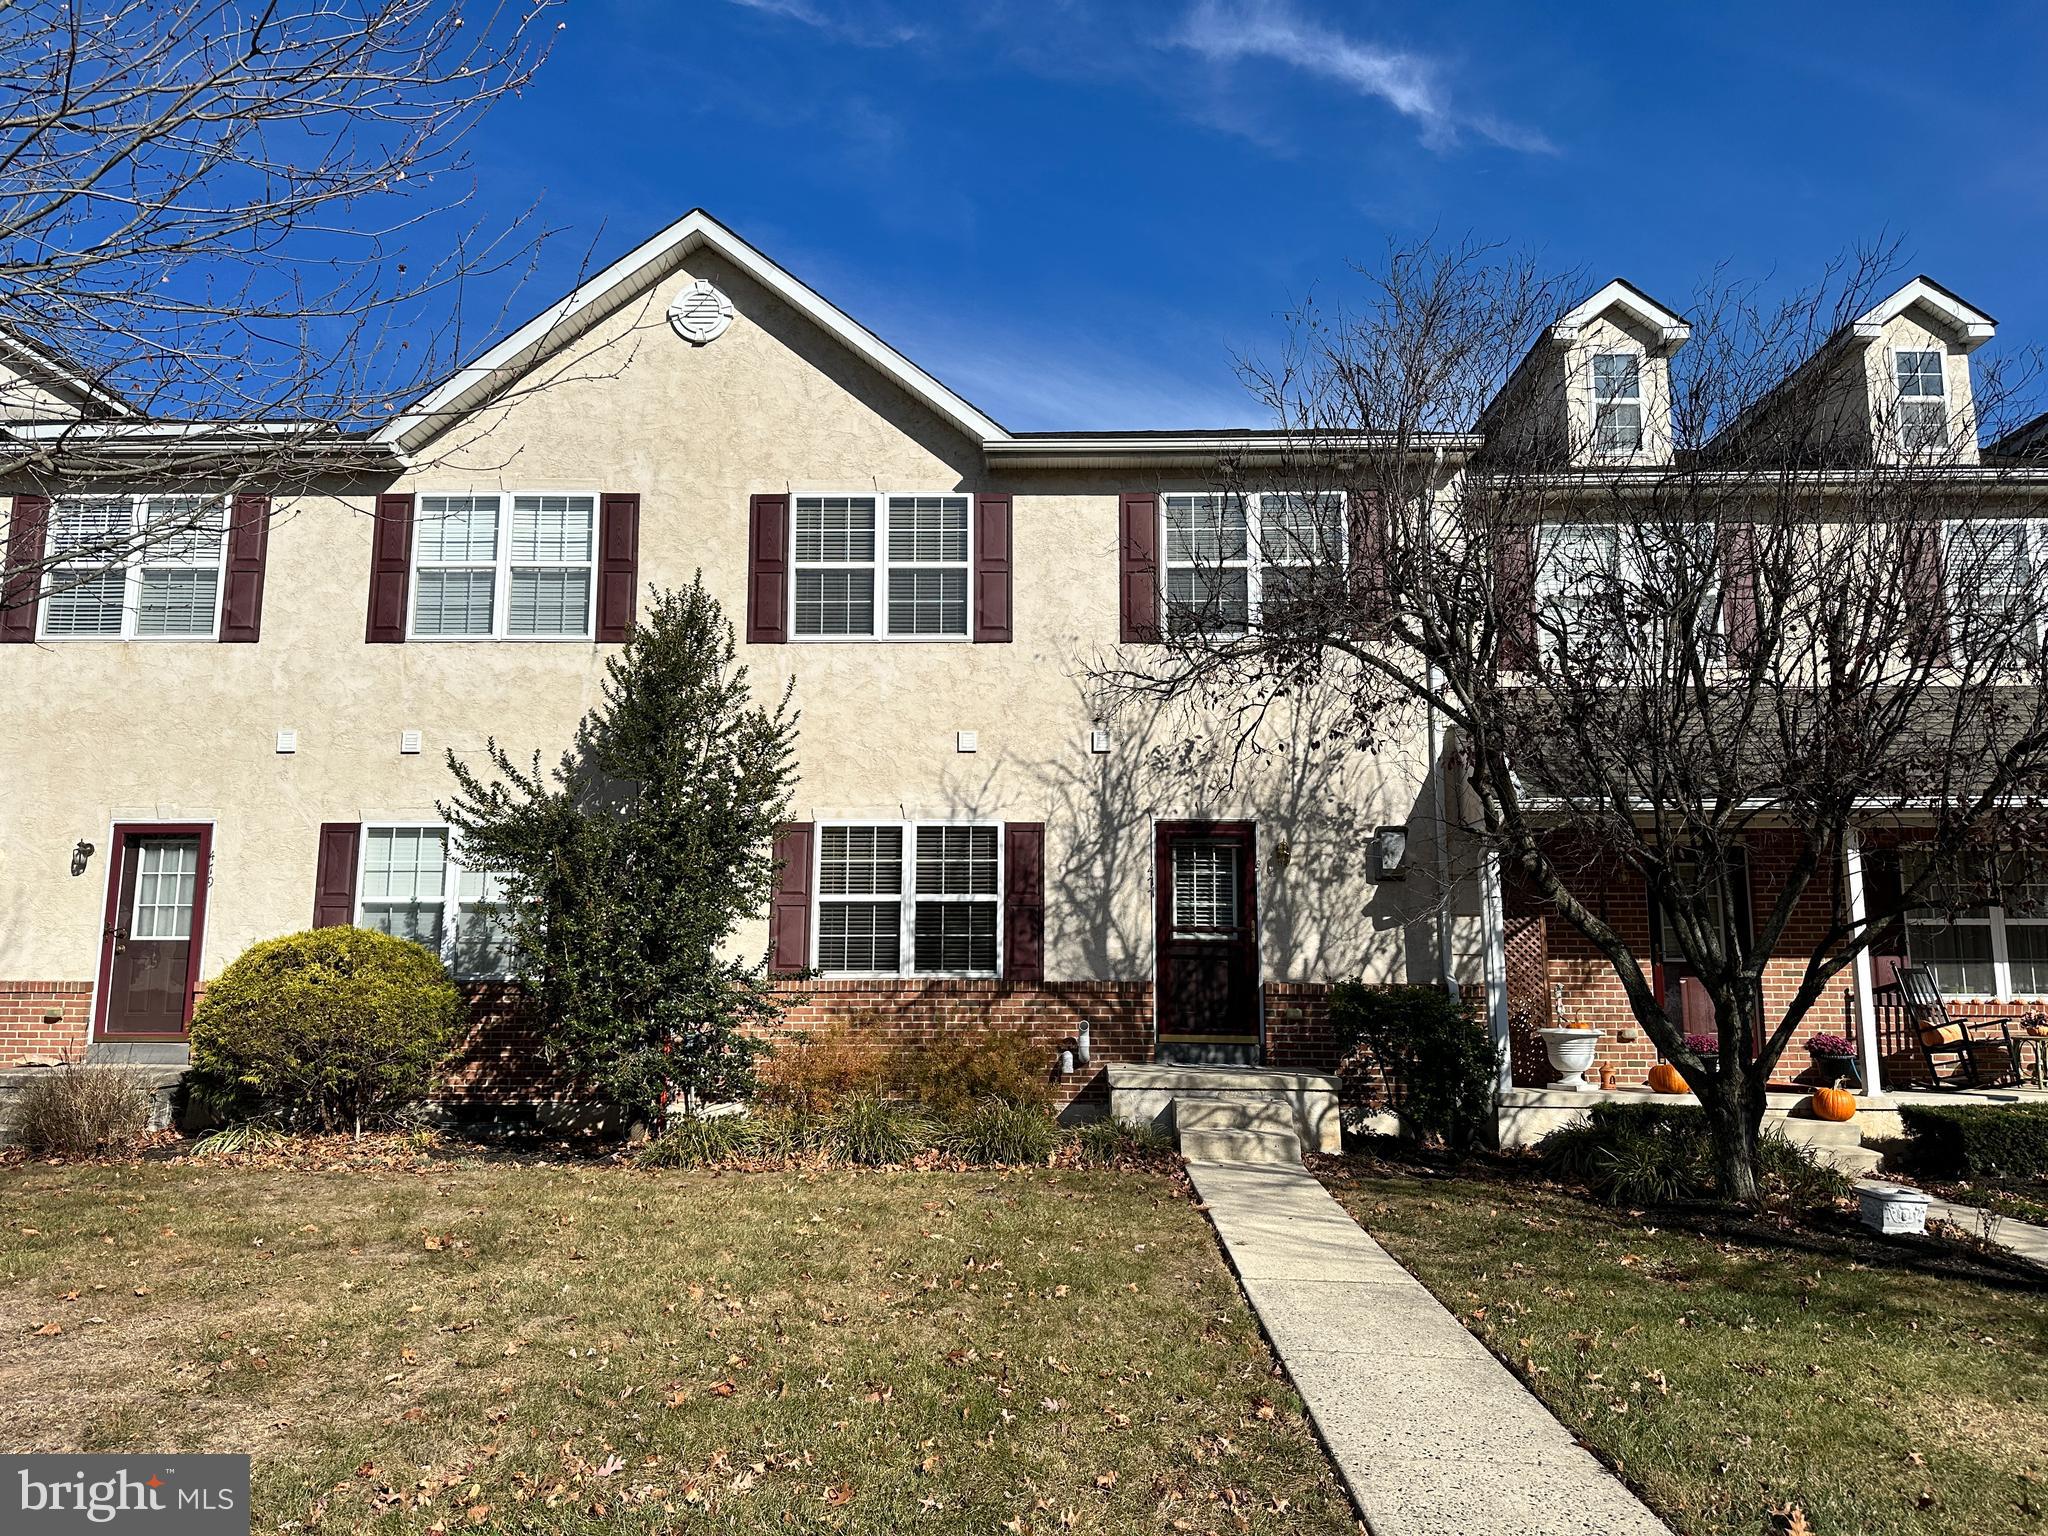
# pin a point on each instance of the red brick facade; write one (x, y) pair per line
(43, 1020)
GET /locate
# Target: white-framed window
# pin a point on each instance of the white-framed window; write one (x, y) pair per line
(1992, 568)
(1994, 949)
(1922, 378)
(1617, 404)
(881, 567)
(1600, 586)
(909, 899)
(1232, 555)
(497, 566)
(134, 567)
(412, 883)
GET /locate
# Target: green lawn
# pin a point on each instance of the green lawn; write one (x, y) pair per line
(1731, 1368)
(498, 1347)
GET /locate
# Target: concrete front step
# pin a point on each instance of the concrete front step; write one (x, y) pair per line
(1195, 1112)
(1815, 1133)
(1149, 1093)
(1225, 1146)
(1854, 1161)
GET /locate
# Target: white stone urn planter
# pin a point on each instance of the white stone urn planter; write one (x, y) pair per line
(1571, 1053)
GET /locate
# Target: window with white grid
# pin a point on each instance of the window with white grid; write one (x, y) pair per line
(489, 566)
(1601, 587)
(1204, 887)
(1993, 568)
(134, 568)
(1230, 556)
(1985, 932)
(166, 882)
(1617, 404)
(951, 875)
(892, 567)
(415, 884)
(1923, 400)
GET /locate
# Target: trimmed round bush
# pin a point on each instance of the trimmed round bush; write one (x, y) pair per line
(334, 1028)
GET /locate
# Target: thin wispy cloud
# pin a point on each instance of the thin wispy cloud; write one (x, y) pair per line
(877, 32)
(1234, 31)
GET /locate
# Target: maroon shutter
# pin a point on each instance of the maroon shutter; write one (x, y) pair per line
(1371, 598)
(992, 569)
(768, 570)
(334, 882)
(1926, 592)
(1024, 901)
(1138, 518)
(1738, 590)
(241, 603)
(25, 528)
(390, 569)
(789, 909)
(618, 565)
(1514, 595)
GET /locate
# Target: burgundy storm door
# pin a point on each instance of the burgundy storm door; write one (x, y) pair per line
(155, 925)
(1208, 934)
(1686, 1002)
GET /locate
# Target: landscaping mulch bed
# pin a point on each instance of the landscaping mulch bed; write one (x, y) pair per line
(413, 1339)
(1738, 1368)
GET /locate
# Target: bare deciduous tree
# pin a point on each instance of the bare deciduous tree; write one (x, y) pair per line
(1648, 663)
(232, 235)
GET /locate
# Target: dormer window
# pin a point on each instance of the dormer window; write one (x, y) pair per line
(1923, 401)
(1617, 404)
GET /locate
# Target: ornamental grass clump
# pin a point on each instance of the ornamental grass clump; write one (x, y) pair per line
(995, 1133)
(1663, 1154)
(79, 1111)
(872, 1132)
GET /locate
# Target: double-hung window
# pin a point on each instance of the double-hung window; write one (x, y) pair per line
(919, 898)
(1923, 400)
(1602, 589)
(1617, 404)
(134, 568)
(881, 567)
(414, 884)
(1232, 556)
(1986, 933)
(491, 566)
(1993, 569)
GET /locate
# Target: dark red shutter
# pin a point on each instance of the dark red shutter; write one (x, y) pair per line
(241, 603)
(1514, 595)
(390, 570)
(25, 527)
(1024, 901)
(1738, 590)
(992, 569)
(618, 565)
(334, 882)
(1926, 592)
(1138, 519)
(768, 570)
(1371, 597)
(789, 910)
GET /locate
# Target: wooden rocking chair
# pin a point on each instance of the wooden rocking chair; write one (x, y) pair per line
(1943, 1034)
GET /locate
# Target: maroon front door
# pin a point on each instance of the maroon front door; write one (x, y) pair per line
(155, 923)
(1208, 927)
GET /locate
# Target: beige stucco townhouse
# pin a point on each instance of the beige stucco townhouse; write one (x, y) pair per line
(244, 733)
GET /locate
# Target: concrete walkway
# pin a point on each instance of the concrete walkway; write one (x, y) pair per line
(1432, 1435)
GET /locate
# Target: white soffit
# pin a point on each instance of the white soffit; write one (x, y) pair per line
(1969, 326)
(561, 322)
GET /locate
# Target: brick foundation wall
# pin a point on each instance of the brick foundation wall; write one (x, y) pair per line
(27, 1032)
(1298, 1026)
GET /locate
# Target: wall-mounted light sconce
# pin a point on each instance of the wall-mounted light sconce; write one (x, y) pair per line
(1283, 854)
(1390, 852)
(81, 855)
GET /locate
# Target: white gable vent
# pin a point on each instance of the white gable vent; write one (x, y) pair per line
(700, 313)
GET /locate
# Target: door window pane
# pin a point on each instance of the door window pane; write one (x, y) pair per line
(167, 878)
(1204, 887)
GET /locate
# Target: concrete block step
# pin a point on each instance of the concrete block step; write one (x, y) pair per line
(1854, 1161)
(1240, 1112)
(1816, 1133)
(1241, 1147)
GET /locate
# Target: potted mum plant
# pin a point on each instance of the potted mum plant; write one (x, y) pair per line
(1835, 1055)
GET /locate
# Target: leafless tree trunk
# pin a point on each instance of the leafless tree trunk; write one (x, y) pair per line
(1644, 668)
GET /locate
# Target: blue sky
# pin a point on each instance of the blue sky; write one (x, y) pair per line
(1078, 212)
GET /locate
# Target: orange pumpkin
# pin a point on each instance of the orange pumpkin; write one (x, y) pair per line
(1665, 1078)
(1832, 1104)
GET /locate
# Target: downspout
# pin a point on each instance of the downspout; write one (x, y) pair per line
(1446, 971)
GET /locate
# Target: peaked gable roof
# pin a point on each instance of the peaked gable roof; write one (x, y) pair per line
(1969, 325)
(474, 384)
(1671, 329)
(46, 368)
